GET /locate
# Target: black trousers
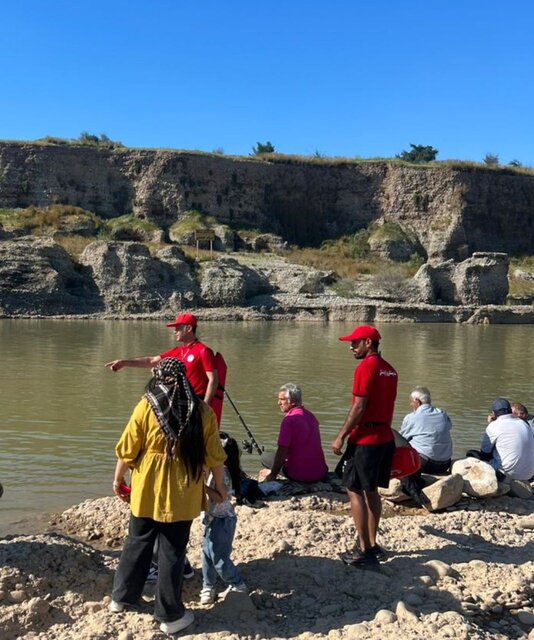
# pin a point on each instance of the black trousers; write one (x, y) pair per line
(135, 561)
(414, 484)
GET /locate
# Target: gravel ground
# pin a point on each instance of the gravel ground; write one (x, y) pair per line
(464, 573)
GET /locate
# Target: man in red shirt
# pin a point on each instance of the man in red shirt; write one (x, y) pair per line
(370, 440)
(198, 358)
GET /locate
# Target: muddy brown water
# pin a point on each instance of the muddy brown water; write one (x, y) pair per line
(63, 411)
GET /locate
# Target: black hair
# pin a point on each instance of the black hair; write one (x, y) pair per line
(191, 440)
(192, 447)
(231, 448)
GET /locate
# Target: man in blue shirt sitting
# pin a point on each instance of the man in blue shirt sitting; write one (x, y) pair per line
(428, 430)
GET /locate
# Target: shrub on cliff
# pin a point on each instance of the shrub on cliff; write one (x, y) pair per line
(99, 141)
(418, 154)
(263, 147)
(491, 160)
(128, 227)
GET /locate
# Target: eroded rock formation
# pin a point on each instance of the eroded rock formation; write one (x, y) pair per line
(442, 211)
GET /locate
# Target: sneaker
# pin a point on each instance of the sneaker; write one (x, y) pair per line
(240, 587)
(365, 559)
(207, 595)
(188, 570)
(116, 607)
(380, 553)
(152, 573)
(178, 625)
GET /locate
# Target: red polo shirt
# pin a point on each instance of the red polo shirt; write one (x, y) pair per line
(376, 380)
(197, 358)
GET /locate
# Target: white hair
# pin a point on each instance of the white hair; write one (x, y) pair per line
(422, 394)
(292, 393)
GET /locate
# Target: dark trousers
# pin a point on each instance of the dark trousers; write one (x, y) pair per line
(413, 485)
(135, 561)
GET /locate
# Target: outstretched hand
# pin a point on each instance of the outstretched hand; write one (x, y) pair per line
(115, 365)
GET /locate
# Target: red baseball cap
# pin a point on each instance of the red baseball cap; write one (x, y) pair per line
(361, 333)
(183, 318)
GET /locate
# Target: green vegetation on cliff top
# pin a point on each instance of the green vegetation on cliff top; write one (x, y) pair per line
(103, 142)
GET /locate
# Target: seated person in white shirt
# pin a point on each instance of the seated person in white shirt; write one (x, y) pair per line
(508, 444)
(428, 430)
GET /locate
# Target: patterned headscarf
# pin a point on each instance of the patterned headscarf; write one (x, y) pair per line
(172, 400)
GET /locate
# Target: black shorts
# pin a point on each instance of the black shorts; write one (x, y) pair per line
(369, 467)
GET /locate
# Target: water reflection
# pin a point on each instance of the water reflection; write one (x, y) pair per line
(63, 411)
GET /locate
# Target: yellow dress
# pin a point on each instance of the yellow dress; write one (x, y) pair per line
(161, 489)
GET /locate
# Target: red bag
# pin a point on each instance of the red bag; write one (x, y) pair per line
(217, 402)
(405, 461)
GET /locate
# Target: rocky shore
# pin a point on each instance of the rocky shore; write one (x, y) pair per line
(466, 572)
(38, 279)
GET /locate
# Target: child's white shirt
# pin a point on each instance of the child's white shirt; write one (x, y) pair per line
(224, 509)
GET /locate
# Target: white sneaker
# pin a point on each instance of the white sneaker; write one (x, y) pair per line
(207, 595)
(241, 587)
(178, 625)
(116, 607)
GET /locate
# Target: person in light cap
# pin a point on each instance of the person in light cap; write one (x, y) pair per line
(198, 358)
(367, 459)
(508, 443)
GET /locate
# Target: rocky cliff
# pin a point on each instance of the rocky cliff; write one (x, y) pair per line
(124, 279)
(445, 212)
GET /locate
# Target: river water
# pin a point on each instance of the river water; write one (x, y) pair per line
(63, 411)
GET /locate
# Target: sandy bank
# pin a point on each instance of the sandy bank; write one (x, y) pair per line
(465, 573)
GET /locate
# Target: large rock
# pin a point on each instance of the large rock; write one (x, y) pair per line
(394, 492)
(390, 241)
(479, 477)
(297, 279)
(482, 279)
(223, 284)
(479, 280)
(130, 280)
(226, 282)
(433, 283)
(444, 492)
(451, 243)
(264, 242)
(38, 277)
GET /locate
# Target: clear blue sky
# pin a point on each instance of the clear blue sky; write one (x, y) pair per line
(344, 77)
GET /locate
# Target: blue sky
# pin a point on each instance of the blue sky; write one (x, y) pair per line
(343, 77)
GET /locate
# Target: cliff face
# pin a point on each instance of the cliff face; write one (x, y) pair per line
(449, 212)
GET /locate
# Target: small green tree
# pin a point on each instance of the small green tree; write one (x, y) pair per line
(515, 163)
(418, 154)
(103, 140)
(263, 147)
(88, 138)
(491, 159)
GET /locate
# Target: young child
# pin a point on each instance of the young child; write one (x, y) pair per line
(220, 522)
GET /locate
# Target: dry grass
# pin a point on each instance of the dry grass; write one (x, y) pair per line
(43, 220)
(337, 257)
(518, 287)
(202, 255)
(73, 245)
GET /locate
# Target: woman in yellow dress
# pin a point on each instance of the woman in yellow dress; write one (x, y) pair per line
(170, 438)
